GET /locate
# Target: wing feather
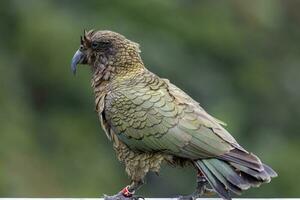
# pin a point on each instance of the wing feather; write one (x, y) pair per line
(151, 114)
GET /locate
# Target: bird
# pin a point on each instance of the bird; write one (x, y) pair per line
(150, 122)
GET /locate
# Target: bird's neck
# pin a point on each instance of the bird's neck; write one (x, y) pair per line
(127, 71)
(115, 73)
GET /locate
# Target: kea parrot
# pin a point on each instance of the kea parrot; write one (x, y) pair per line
(150, 121)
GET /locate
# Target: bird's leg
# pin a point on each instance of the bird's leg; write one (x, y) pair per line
(201, 189)
(202, 185)
(127, 193)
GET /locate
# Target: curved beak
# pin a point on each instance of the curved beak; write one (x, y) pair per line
(78, 58)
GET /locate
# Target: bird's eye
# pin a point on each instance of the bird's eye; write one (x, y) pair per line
(95, 45)
(100, 45)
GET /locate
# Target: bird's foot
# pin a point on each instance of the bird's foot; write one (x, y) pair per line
(124, 194)
(187, 197)
(198, 193)
(120, 196)
(209, 192)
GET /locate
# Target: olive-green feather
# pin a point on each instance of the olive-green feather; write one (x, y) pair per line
(149, 114)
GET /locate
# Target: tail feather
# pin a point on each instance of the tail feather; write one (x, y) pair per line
(270, 171)
(230, 174)
(235, 175)
(253, 182)
(222, 178)
(213, 181)
(244, 158)
(263, 175)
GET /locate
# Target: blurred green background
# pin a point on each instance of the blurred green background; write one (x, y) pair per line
(239, 59)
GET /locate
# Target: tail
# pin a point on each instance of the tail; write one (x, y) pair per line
(235, 171)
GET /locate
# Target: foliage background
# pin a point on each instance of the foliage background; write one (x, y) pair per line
(240, 59)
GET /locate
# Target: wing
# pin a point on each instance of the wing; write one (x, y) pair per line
(151, 114)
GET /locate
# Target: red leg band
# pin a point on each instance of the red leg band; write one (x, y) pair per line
(126, 192)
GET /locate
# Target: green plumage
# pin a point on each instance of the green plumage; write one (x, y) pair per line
(150, 120)
(147, 113)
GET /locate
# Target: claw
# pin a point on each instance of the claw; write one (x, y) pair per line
(120, 196)
(137, 198)
(188, 197)
(202, 189)
(209, 192)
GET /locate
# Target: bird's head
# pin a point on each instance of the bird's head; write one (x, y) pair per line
(105, 51)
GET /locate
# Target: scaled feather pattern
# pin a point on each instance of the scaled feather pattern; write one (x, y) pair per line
(150, 121)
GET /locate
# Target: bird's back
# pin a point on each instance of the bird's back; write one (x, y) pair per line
(150, 114)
